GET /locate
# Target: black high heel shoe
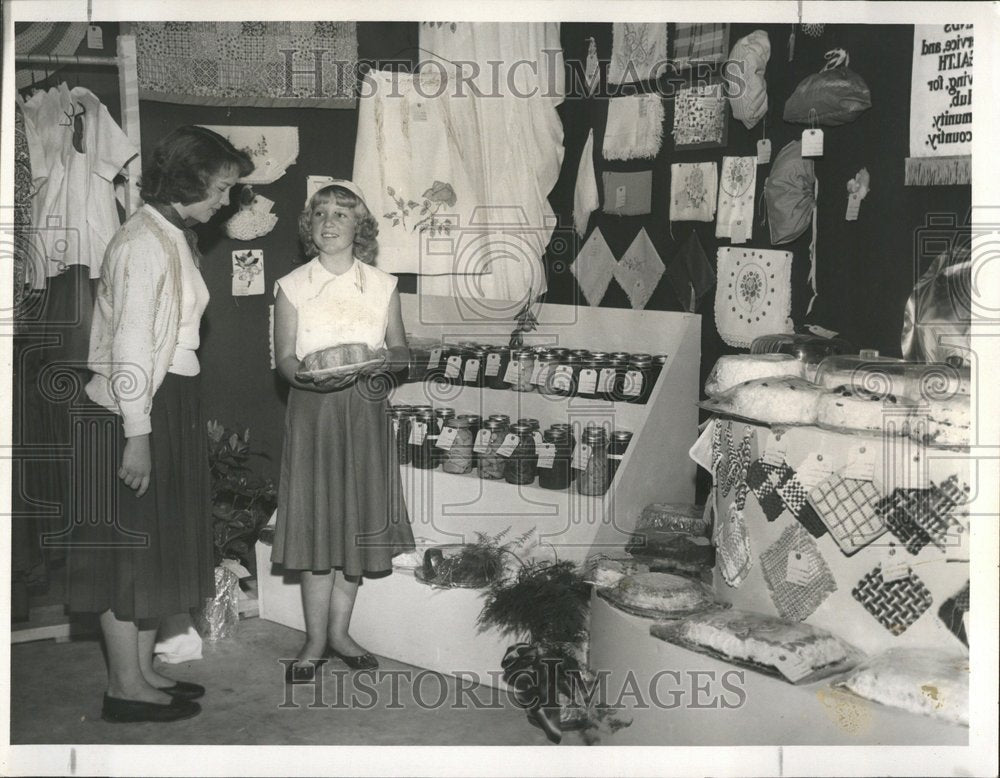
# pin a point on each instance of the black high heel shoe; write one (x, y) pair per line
(182, 690)
(365, 661)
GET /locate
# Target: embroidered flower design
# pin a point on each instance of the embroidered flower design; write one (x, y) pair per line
(439, 195)
(751, 287)
(695, 188)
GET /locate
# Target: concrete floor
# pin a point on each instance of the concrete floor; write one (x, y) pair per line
(56, 691)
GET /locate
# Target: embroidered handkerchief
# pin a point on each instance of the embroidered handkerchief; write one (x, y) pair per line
(639, 270)
(638, 52)
(693, 191)
(753, 294)
(737, 186)
(594, 267)
(271, 149)
(585, 196)
(699, 115)
(635, 127)
(627, 194)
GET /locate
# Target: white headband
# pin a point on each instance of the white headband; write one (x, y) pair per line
(315, 183)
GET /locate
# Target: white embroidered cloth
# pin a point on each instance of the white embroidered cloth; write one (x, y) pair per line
(639, 270)
(693, 191)
(737, 186)
(638, 52)
(634, 128)
(271, 149)
(594, 267)
(586, 198)
(753, 294)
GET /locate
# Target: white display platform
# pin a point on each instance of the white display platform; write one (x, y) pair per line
(773, 712)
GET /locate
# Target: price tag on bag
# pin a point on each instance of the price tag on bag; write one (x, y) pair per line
(588, 381)
(508, 446)
(606, 381)
(492, 365)
(546, 455)
(513, 374)
(453, 368)
(812, 143)
(434, 358)
(633, 383)
(482, 444)
(471, 371)
(813, 471)
(581, 456)
(419, 112)
(799, 570)
(447, 438)
(794, 668)
(764, 152)
(418, 431)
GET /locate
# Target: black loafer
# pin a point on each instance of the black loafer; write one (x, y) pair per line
(303, 673)
(119, 711)
(365, 661)
(182, 690)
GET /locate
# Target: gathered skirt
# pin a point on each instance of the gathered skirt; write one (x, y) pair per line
(340, 501)
(148, 557)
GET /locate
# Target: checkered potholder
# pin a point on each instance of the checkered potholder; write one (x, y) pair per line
(795, 497)
(953, 611)
(897, 510)
(935, 514)
(732, 547)
(794, 600)
(847, 507)
(743, 461)
(763, 479)
(895, 604)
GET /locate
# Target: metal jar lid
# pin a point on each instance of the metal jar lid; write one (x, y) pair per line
(520, 428)
(661, 359)
(444, 413)
(621, 436)
(640, 360)
(533, 423)
(460, 422)
(523, 353)
(495, 424)
(472, 418)
(555, 435)
(620, 355)
(593, 435)
(500, 417)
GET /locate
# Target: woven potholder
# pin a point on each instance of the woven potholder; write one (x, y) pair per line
(894, 604)
(952, 613)
(849, 509)
(796, 600)
(897, 510)
(935, 515)
(795, 497)
(764, 479)
(732, 547)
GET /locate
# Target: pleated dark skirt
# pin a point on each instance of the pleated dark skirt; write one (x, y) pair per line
(340, 502)
(148, 557)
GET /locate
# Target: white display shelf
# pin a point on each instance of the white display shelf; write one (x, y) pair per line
(401, 618)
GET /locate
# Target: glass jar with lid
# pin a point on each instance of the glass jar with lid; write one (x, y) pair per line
(458, 456)
(401, 418)
(637, 385)
(593, 479)
(571, 438)
(444, 415)
(497, 359)
(556, 475)
(659, 362)
(491, 464)
(520, 377)
(616, 451)
(423, 435)
(475, 424)
(546, 364)
(474, 368)
(522, 465)
(564, 377)
(590, 374)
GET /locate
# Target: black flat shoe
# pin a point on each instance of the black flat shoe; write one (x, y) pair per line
(303, 673)
(119, 711)
(365, 661)
(182, 690)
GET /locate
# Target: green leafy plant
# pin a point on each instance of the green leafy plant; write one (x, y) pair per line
(474, 564)
(242, 500)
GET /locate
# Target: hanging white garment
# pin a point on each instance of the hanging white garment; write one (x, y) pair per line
(520, 141)
(73, 210)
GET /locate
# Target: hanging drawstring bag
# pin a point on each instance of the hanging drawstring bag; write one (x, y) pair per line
(834, 96)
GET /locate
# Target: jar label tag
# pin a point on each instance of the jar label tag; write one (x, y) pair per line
(482, 444)
(546, 455)
(434, 358)
(537, 436)
(581, 456)
(471, 370)
(454, 367)
(562, 378)
(509, 445)
(513, 374)
(492, 365)
(588, 381)
(536, 372)
(447, 438)
(418, 431)
(633, 383)
(606, 381)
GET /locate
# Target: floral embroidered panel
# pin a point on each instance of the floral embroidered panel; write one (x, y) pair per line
(753, 294)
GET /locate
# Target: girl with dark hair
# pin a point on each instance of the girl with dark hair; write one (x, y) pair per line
(146, 552)
(341, 513)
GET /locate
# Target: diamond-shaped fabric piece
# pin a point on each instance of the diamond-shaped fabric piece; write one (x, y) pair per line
(594, 267)
(895, 604)
(796, 600)
(639, 270)
(732, 547)
(953, 611)
(848, 508)
(690, 273)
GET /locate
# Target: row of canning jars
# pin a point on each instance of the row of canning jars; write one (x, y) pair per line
(518, 452)
(616, 376)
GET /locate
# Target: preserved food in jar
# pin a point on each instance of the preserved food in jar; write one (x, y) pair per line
(520, 378)
(497, 359)
(458, 456)
(557, 475)
(593, 479)
(619, 442)
(491, 464)
(422, 453)
(637, 385)
(522, 465)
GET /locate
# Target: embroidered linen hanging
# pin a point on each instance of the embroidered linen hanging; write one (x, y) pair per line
(586, 199)
(271, 149)
(639, 270)
(693, 191)
(638, 52)
(753, 294)
(594, 267)
(737, 186)
(699, 116)
(635, 127)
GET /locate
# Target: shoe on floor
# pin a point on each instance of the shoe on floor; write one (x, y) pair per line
(365, 661)
(121, 711)
(182, 690)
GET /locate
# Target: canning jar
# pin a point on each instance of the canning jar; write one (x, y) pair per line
(474, 369)
(619, 442)
(545, 366)
(556, 475)
(590, 373)
(659, 362)
(423, 436)
(637, 386)
(593, 479)
(571, 437)
(491, 464)
(522, 362)
(401, 419)
(565, 375)
(475, 424)
(497, 359)
(522, 465)
(457, 457)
